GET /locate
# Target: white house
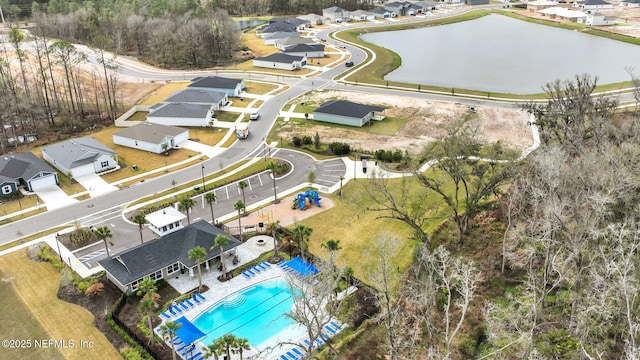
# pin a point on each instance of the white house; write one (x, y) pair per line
(335, 14)
(181, 114)
(382, 13)
(593, 4)
(80, 156)
(283, 43)
(314, 19)
(147, 136)
(630, 3)
(270, 39)
(216, 99)
(306, 50)
(165, 221)
(231, 87)
(361, 15)
(597, 19)
(280, 61)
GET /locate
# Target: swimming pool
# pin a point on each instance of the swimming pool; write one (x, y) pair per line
(256, 313)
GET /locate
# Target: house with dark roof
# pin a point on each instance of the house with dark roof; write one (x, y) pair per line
(274, 28)
(280, 61)
(215, 99)
(382, 13)
(361, 15)
(630, 3)
(297, 23)
(80, 156)
(27, 170)
(396, 7)
(181, 114)
(167, 256)
(314, 19)
(270, 39)
(593, 4)
(283, 43)
(148, 136)
(336, 14)
(476, 2)
(347, 113)
(428, 5)
(306, 50)
(231, 87)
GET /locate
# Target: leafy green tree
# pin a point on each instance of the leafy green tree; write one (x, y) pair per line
(242, 184)
(147, 306)
(220, 242)
(301, 234)
(239, 207)
(199, 255)
(332, 246)
(211, 198)
(139, 219)
(311, 177)
(186, 205)
(103, 233)
(170, 329)
(240, 345)
(214, 349)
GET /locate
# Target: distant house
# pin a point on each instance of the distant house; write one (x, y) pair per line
(314, 19)
(428, 5)
(276, 27)
(164, 257)
(231, 87)
(181, 114)
(563, 14)
(335, 14)
(361, 15)
(306, 50)
(27, 170)
(165, 221)
(216, 99)
(593, 4)
(476, 2)
(81, 156)
(535, 6)
(346, 113)
(283, 43)
(396, 7)
(280, 61)
(630, 3)
(382, 13)
(270, 39)
(300, 24)
(597, 19)
(148, 136)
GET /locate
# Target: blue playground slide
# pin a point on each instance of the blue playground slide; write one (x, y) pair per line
(301, 199)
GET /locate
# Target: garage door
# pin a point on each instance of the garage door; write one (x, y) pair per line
(39, 183)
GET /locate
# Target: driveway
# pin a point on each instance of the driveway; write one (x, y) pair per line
(54, 197)
(95, 185)
(205, 149)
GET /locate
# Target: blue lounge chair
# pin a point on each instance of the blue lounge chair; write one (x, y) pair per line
(330, 329)
(165, 315)
(292, 356)
(245, 274)
(307, 342)
(282, 357)
(250, 272)
(281, 263)
(171, 311)
(255, 269)
(195, 298)
(196, 356)
(264, 263)
(189, 303)
(183, 306)
(318, 341)
(200, 296)
(298, 352)
(176, 308)
(262, 267)
(335, 325)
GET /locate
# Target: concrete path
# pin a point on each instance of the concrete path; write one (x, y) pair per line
(54, 197)
(95, 185)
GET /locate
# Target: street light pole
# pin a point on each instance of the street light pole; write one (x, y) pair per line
(290, 248)
(58, 243)
(204, 187)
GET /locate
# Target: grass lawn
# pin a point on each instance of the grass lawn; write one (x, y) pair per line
(138, 116)
(227, 116)
(16, 205)
(164, 92)
(388, 126)
(39, 314)
(258, 87)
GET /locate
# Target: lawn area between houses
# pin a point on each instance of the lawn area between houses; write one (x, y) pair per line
(164, 92)
(39, 314)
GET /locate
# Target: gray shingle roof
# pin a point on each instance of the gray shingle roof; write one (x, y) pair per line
(280, 58)
(379, 11)
(294, 40)
(593, 2)
(150, 132)
(147, 258)
(22, 166)
(181, 110)
(75, 152)
(281, 35)
(346, 108)
(299, 48)
(197, 95)
(214, 82)
(277, 27)
(334, 9)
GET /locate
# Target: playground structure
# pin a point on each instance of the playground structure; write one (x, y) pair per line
(300, 201)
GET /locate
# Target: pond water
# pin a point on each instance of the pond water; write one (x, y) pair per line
(246, 24)
(496, 53)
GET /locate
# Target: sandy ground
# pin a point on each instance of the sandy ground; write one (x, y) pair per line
(428, 121)
(284, 213)
(627, 19)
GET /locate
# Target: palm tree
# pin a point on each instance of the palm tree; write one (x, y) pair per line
(341, 178)
(170, 328)
(102, 233)
(221, 241)
(332, 246)
(273, 227)
(198, 254)
(186, 205)
(239, 206)
(275, 168)
(240, 345)
(146, 286)
(228, 342)
(243, 185)
(139, 219)
(211, 198)
(147, 305)
(301, 235)
(214, 349)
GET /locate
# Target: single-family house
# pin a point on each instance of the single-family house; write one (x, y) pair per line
(280, 61)
(630, 3)
(476, 2)
(306, 50)
(346, 113)
(181, 114)
(396, 7)
(231, 87)
(216, 99)
(270, 39)
(148, 136)
(593, 4)
(81, 156)
(300, 24)
(313, 19)
(535, 6)
(335, 14)
(283, 43)
(361, 15)
(165, 221)
(428, 5)
(563, 14)
(27, 170)
(597, 19)
(167, 256)
(274, 28)
(382, 13)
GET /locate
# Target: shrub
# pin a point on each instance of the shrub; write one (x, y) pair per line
(297, 141)
(95, 289)
(340, 148)
(307, 140)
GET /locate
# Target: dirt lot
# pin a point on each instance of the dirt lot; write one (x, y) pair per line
(627, 19)
(427, 121)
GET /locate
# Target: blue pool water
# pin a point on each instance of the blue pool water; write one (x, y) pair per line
(256, 313)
